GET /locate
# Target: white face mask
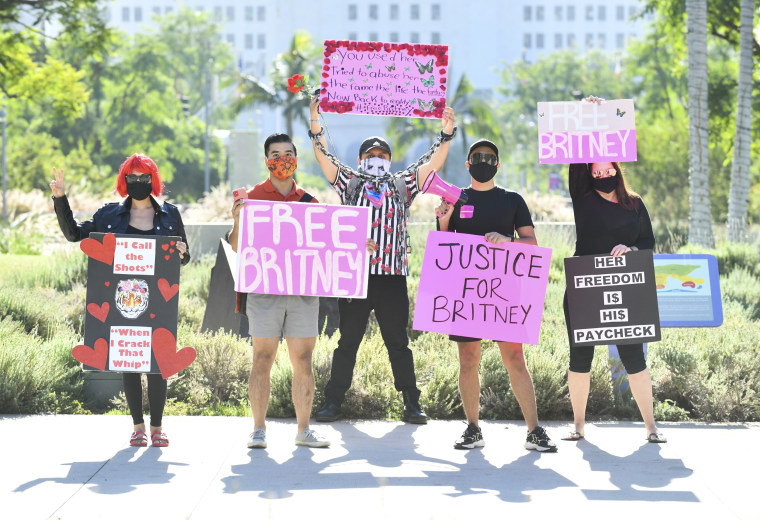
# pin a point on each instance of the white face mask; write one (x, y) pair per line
(375, 166)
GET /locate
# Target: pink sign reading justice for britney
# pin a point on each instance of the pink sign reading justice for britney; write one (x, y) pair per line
(303, 249)
(470, 287)
(583, 132)
(387, 79)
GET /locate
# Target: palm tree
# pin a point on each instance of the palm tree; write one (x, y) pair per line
(739, 193)
(301, 58)
(700, 218)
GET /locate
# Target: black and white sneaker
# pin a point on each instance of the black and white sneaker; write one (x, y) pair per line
(539, 440)
(471, 438)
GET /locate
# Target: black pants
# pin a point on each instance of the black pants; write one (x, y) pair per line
(581, 357)
(387, 295)
(156, 397)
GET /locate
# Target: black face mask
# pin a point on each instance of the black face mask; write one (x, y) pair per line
(139, 190)
(482, 172)
(605, 184)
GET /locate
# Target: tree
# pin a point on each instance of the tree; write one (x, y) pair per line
(739, 195)
(301, 58)
(700, 218)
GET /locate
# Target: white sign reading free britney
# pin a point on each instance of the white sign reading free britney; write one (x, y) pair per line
(582, 132)
(303, 249)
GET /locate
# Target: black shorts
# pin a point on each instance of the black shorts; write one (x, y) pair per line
(463, 339)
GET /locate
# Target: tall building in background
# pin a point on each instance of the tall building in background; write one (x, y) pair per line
(481, 35)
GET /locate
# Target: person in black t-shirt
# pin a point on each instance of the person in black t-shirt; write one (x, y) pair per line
(497, 214)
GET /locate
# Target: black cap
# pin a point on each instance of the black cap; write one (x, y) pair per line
(374, 142)
(483, 142)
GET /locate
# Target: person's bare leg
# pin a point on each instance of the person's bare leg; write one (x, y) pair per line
(641, 388)
(302, 390)
(259, 386)
(579, 384)
(519, 378)
(469, 381)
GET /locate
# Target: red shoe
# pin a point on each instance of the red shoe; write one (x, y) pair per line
(159, 439)
(138, 438)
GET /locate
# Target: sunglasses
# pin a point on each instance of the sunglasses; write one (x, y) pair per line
(479, 157)
(131, 178)
(610, 172)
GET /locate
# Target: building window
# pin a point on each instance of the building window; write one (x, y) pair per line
(435, 12)
(249, 41)
(414, 12)
(620, 13)
(540, 13)
(435, 38)
(527, 13)
(601, 40)
(230, 13)
(394, 11)
(261, 13)
(558, 13)
(248, 13)
(571, 40)
(589, 13)
(157, 10)
(373, 12)
(261, 41)
(539, 41)
(218, 13)
(352, 36)
(414, 37)
(620, 40)
(601, 13)
(231, 39)
(527, 41)
(631, 11)
(168, 9)
(589, 40)
(557, 40)
(394, 36)
(125, 14)
(138, 14)
(373, 36)
(570, 13)
(352, 11)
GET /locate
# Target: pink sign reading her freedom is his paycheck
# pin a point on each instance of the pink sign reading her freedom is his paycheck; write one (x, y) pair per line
(582, 132)
(304, 249)
(386, 79)
(470, 287)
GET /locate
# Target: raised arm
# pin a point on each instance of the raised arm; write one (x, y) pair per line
(329, 168)
(73, 231)
(436, 160)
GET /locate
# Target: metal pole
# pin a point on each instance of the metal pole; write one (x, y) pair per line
(206, 97)
(4, 116)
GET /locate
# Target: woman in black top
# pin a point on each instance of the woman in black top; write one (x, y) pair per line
(139, 214)
(609, 219)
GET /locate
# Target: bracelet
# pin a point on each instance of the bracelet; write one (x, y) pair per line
(448, 137)
(318, 134)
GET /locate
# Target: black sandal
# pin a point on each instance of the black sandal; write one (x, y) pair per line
(656, 438)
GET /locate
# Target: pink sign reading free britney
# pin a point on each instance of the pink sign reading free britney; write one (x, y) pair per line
(388, 79)
(470, 287)
(303, 249)
(582, 132)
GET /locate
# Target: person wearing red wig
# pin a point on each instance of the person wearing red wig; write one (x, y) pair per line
(138, 180)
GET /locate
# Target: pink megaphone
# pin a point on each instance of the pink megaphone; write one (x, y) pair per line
(436, 186)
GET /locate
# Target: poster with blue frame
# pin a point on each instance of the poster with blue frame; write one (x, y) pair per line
(688, 290)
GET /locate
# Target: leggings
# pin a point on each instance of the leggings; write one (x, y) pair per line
(156, 397)
(581, 357)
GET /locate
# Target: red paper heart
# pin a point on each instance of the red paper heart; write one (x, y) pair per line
(108, 283)
(92, 357)
(167, 291)
(165, 247)
(152, 315)
(172, 242)
(171, 250)
(97, 251)
(169, 359)
(99, 311)
(167, 257)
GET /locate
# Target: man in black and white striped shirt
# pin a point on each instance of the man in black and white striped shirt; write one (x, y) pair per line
(388, 195)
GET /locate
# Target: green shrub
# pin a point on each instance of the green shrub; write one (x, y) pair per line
(43, 310)
(730, 256)
(62, 272)
(742, 287)
(18, 241)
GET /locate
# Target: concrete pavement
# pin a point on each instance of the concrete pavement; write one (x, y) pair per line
(81, 467)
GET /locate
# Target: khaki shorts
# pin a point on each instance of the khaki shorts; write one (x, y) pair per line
(275, 315)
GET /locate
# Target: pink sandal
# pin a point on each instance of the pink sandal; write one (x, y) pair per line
(138, 438)
(159, 439)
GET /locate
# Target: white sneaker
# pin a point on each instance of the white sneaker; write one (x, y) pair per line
(312, 439)
(257, 438)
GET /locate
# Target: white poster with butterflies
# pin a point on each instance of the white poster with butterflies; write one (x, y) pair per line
(583, 132)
